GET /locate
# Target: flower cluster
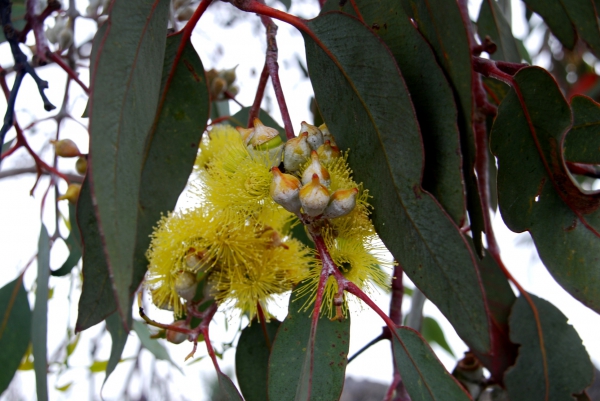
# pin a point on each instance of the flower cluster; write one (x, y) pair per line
(236, 246)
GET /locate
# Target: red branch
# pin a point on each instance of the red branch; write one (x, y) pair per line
(72, 74)
(260, 92)
(36, 20)
(273, 67)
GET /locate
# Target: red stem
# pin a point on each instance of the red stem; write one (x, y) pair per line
(263, 324)
(357, 11)
(32, 20)
(273, 67)
(72, 74)
(260, 92)
(37, 24)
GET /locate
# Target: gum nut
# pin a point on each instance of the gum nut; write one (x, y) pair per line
(176, 337)
(327, 135)
(211, 74)
(233, 90)
(315, 137)
(314, 197)
(296, 152)
(285, 190)
(81, 165)
(327, 152)
(262, 133)
(185, 285)
(246, 133)
(341, 203)
(65, 148)
(229, 75)
(72, 193)
(313, 168)
(217, 86)
(65, 38)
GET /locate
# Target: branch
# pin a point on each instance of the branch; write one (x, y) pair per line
(260, 91)
(33, 170)
(72, 74)
(589, 170)
(273, 68)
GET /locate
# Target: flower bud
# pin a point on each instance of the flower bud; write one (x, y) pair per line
(65, 148)
(262, 133)
(341, 203)
(296, 152)
(246, 133)
(315, 137)
(233, 90)
(327, 152)
(211, 75)
(327, 135)
(176, 337)
(81, 165)
(65, 38)
(72, 193)
(315, 167)
(285, 190)
(185, 13)
(185, 285)
(314, 197)
(194, 260)
(229, 75)
(217, 87)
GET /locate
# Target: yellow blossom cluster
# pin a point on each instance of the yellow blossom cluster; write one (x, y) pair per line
(236, 246)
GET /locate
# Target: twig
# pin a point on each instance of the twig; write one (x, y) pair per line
(263, 324)
(53, 5)
(260, 92)
(374, 341)
(589, 170)
(396, 317)
(72, 74)
(273, 68)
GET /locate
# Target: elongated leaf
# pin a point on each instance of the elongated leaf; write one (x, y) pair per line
(423, 374)
(536, 192)
(240, 119)
(119, 339)
(553, 370)
(73, 242)
(433, 333)
(367, 107)
(125, 92)
(432, 98)
(556, 17)
(15, 329)
(97, 299)
(288, 370)
(584, 17)
(173, 142)
(228, 391)
(582, 143)
(39, 325)
(152, 345)
(252, 359)
(491, 22)
(442, 24)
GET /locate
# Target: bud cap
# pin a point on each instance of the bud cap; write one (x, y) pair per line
(315, 167)
(314, 197)
(315, 137)
(296, 152)
(285, 190)
(342, 202)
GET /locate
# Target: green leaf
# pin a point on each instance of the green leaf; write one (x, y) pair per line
(125, 92)
(154, 346)
(491, 22)
(98, 366)
(118, 336)
(367, 108)
(433, 333)
(17, 17)
(240, 119)
(6, 145)
(97, 299)
(422, 373)
(536, 192)
(172, 145)
(432, 98)
(39, 317)
(228, 391)
(290, 352)
(556, 17)
(73, 242)
(252, 359)
(554, 369)
(582, 143)
(584, 17)
(15, 329)
(442, 25)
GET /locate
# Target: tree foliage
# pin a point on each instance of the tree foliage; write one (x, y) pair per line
(443, 122)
